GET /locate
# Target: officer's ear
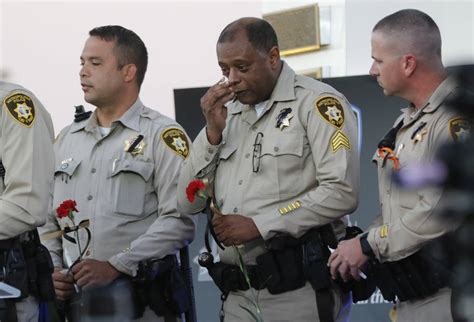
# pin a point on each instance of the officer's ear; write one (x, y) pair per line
(409, 64)
(129, 72)
(274, 56)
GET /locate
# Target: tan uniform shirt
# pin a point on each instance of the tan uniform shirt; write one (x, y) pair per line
(129, 197)
(26, 151)
(308, 168)
(409, 219)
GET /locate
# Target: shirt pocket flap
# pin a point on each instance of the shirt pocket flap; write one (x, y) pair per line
(67, 166)
(142, 168)
(289, 143)
(227, 151)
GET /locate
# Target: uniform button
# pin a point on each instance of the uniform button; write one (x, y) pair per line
(207, 159)
(210, 150)
(247, 155)
(240, 182)
(254, 128)
(89, 197)
(235, 209)
(276, 149)
(93, 170)
(88, 253)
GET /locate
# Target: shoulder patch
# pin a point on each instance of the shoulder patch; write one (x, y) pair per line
(21, 108)
(460, 129)
(330, 109)
(176, 140)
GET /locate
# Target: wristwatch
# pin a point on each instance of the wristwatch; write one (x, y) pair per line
(364, 244)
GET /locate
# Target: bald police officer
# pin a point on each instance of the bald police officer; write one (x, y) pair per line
(281, 150)
(27, 158)
(406, 49)
(121, 166)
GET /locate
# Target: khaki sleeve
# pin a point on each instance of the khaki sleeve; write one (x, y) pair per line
(201, 164)
(28, 158)
(336, 158)
(172, 230)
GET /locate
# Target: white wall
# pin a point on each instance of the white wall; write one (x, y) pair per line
(41, 43)
(454, 18)
(332, 57)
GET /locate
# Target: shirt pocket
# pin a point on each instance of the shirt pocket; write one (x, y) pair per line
(226, 152)
(64, 170)
(281, 166)
(129, 183)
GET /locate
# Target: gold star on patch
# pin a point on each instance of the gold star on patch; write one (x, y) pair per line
(463, 134)
(21, 108)
(333, 113)
(177, 141)
(180, 145)
(460, 129)
(331, 110)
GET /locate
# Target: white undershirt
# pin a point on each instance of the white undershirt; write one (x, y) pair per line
(260, 107)
(104, 130)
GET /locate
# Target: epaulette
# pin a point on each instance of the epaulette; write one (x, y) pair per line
(80, 114)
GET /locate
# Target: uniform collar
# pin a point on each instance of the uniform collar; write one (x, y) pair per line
(130, 119)
(281, 92)
(436, 99)
(440, 94)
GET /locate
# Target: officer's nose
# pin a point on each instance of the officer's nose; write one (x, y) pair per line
(373, 71)
(83, 71)
(234, 76)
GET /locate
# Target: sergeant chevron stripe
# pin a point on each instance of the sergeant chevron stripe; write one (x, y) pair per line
(340, 140)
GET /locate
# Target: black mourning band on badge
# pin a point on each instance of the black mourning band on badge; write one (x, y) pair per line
(135, 143)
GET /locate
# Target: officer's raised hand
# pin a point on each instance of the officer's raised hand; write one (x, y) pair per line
(214, 110)
(91, 273)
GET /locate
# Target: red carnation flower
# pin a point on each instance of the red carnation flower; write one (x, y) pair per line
(194, 189)
(66, 208)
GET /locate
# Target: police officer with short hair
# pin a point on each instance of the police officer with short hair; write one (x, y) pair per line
(281, 151)
(406, 49)
(26, 178)
(121, 166)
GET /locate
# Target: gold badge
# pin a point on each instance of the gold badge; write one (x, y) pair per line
(283, 118)
(135, 145)
(340, 140)
(419, 136)
(21, 108)
(331, 111)
(460, 129)
(295, 205)
(383, 231)
(176, 140)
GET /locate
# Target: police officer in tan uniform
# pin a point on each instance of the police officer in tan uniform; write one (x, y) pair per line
(406, 48)
(121, 166)
(281, 150)
(26, 153)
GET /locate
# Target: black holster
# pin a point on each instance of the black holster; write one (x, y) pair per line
(160, 285)
(287, 265)
(28, 266)
(362, 289)
(414, 277)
